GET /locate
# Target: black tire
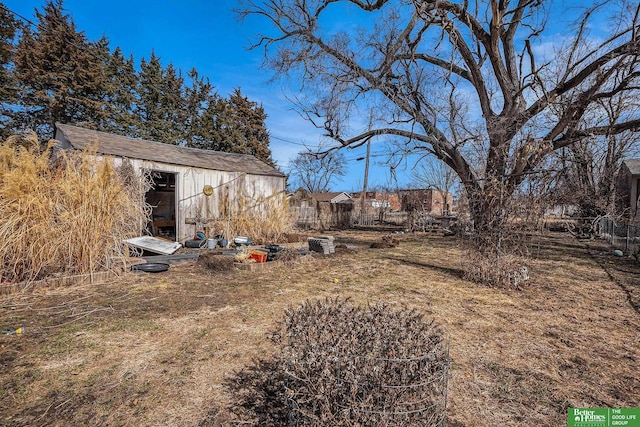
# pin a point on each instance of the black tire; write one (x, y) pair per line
(195, 244)
(150, 267)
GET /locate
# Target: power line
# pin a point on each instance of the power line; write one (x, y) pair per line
(39, 27)
(293, 142)
(17, 15)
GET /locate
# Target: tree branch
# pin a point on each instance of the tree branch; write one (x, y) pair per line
(628, 48)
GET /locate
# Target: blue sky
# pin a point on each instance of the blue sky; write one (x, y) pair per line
(206, 35)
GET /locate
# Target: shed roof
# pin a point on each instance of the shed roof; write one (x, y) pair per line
(633, 165)
(331, 197)
(122, 146)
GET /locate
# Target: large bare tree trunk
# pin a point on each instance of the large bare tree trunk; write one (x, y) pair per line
(465, 82)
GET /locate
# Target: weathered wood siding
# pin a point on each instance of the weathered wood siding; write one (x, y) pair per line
(235, 188)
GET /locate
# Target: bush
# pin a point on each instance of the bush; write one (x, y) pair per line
(341, 365)
(497, 261)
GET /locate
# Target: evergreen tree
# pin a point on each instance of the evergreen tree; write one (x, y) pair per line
(8, 90)
(59, 73)
(198, 97)
(161, 107)
(173, 106)
(236, 125)
(245, 127)
(147, 109)
(219, 124)
(121, 95)
(61, 76)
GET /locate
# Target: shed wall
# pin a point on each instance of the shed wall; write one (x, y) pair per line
(229, 188)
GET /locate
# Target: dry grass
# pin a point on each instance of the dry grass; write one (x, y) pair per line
(265, 220)
(62, 218)
(156, 349)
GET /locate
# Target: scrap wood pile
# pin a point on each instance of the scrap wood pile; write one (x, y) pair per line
(63, 217)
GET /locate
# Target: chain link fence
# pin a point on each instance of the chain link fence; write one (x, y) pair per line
(620, 235)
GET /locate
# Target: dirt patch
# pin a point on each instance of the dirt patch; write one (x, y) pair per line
(216, 261)
(155, 349)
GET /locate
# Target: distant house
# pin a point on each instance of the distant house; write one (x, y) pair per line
(628, 189)
(189, 186)
(379, 201)
(321, 210)
(427, 200)
(331, 198)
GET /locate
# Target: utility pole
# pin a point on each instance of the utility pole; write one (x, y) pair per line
(363, 196)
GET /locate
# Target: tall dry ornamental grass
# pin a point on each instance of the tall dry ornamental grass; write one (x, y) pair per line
(65, 217)
(265, 220)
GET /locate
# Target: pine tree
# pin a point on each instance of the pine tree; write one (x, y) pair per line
(239, 127)
(59, 72)
(220, 126)
(63, 77)
(8, 89)
(247, 131)
(173, 106)
(198, 97)
(121, 95)
(236, 125)
(161, 107)
(147, 109)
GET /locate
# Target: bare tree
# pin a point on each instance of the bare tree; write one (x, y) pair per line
(437, 175)
(590, 166)
(315, 172)
(402, 60)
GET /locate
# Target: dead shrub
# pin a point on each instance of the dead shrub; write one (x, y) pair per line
(292, 256)
(497, 260)
(63, 218)
(387, 242)
(341, 365)
(295, 237)
(505, 271)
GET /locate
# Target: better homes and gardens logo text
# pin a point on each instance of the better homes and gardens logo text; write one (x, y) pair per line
(603, 417)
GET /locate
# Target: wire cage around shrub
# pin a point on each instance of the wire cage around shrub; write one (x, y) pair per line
(374, 365)
(341, 365)
(621, 235)
(351, 390)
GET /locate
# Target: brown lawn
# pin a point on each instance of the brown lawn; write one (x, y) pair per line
(155, 349)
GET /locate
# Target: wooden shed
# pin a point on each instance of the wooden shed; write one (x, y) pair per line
(189, 186)
(321, 210)
(628, 189)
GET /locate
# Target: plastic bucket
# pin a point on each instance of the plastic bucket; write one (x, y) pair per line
(212, 243)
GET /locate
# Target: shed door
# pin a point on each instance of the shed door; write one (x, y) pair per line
(162, 198)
